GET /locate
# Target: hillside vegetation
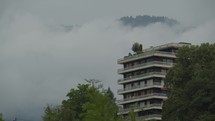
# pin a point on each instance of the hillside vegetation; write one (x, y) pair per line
(146, 20)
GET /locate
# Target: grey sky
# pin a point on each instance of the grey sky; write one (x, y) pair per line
(39, 64)
(82, 11)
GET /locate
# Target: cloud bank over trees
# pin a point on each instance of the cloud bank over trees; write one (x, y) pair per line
(40, 64)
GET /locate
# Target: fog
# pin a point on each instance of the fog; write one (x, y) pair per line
(41, 61)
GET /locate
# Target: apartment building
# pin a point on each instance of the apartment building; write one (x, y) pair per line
(143, 80)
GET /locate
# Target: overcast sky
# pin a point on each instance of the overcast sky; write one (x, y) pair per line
(40, 62)
(82, 11)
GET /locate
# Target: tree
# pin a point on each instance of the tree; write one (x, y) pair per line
(146, 20)
(72, 107)
(1, 117)
(132, 116)
(101, 107)
(88, 102)
(52, 113)
(137, 48)
(192, 81)
(93, 83)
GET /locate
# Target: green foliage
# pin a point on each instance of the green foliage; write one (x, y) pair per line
(145, 20)
(192, 80)
(72, 107)
(132, 116)
(137, 48)
(86, 103)
(52, 113)
(101, 107)
(1, 117)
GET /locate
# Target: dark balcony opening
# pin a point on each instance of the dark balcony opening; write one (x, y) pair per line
(157, 81)
(149, 112)
(155, 101)
(149, 60)
(145, 71)
(130, 105)
(145, 92)
(172, 49)
(143, 104)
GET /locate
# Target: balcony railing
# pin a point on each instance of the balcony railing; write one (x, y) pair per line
(142, 96)
(140, 86)
(146, 64)
(150, 116)
(139, 107)
(145, 54)
(146, 117)
(180, 44)
(141, 75)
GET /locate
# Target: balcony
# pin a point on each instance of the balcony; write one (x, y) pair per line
(145, 55)
(146, 65)
(142, 97)
(150, 117)
(142, 76)
(156, 117)
(140, 108)
(140, 87)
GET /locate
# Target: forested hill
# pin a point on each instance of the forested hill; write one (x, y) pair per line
(146, 20)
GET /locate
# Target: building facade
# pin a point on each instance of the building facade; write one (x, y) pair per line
(143, 81)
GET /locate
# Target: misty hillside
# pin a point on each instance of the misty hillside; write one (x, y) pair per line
(146, 20)
(137, 21)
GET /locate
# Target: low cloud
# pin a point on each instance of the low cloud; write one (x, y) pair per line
(39, 65)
